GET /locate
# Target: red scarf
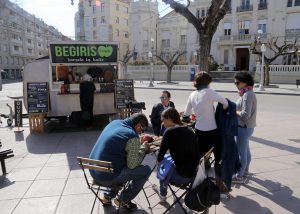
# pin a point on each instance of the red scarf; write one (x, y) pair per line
(244, 90)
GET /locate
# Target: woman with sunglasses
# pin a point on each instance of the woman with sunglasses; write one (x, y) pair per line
(158, 109)
(246, 111)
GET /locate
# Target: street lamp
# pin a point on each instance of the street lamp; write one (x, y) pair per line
(150, 55)
(195, 56)
(262, 73)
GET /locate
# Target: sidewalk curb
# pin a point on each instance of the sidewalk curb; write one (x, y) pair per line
(221, 91)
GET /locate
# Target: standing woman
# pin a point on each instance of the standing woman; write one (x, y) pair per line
(246, 111)
(201, 102)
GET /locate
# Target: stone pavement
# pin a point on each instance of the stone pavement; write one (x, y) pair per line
(44, 177)
(283, 89)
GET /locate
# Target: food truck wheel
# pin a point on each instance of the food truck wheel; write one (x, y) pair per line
(9, 122)
(62, 119)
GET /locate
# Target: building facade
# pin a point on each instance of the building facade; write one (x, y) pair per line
(103, 21)
(235, 33)
(23, 38)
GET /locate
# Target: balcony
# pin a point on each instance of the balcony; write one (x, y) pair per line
(242, 37)
(224, 38)
(262, 6)
(244, 8)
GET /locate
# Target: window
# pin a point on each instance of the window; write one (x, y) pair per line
(94, 35)
(124, 22)
(0, 60)
(94, 9)
(290, 3)
(117, 33)
(16, 37)
(226, 53)
(262, 27)
(245, 3)
(30, 51)
(117, 20)
(102, 7)
(165, 43)
(198, 13)
(227, 29)
(145, 43)
(183, 39)
(28, 30)
(16, 48)
(17, 61)
(117, 7)
(202, 12)
(39, 44)
(87, 22)
(126, 35)
(6, 60)
(297, 3)
(94, 22)
(40, 53)
(244, 27)
(5, 47)
(102, 19)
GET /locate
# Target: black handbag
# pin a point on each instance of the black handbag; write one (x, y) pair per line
(203, 196)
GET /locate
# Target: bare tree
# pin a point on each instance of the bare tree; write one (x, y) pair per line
(205, 26)
(287, 48)
(128, 55)
(170, 62)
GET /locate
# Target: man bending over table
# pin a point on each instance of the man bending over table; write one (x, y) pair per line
(120, 144)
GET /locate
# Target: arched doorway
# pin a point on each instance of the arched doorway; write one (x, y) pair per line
(242, 59)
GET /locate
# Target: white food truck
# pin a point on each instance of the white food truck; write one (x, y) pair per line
(51, 84)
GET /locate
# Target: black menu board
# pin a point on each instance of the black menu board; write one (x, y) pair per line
(38, 97)
(124, 91)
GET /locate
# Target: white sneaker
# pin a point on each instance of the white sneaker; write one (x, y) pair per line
(238, 180)
(163, 199)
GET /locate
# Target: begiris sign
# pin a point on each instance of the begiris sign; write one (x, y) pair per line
(83, 53)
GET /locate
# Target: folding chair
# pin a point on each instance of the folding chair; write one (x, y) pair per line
(95, 186)
(186, 188)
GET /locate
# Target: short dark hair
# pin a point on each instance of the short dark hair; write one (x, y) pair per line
(139, 118)
(202, 79)
(171, 113)
(167, 93)
(245, 77)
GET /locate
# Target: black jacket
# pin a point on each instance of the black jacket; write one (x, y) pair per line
(227, 123)
(183, 146)
(156, 116)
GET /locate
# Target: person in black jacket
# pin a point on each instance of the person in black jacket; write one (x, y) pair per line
(87, 89)
(157, 109)
(182, 143)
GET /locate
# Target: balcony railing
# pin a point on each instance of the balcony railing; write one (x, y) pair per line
(244, 8)
(263, 6)
(242, 37)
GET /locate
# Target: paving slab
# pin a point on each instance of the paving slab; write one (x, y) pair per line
(54, 172)
(13, 190)
(23, 174)
(76, 186)
(43, 188)
(45, 205)
(7, 206)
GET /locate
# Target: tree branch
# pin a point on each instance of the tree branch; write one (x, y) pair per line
(162, 60)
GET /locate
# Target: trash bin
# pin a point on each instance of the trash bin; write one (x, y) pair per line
(192, 74)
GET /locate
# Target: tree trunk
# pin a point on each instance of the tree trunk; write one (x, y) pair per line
(205, 45)
(267, 75)
(169, 74)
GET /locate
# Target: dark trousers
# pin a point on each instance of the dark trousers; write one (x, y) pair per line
(87, 112)
(207, 140)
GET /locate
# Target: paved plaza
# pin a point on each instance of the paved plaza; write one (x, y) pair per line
(44, 178)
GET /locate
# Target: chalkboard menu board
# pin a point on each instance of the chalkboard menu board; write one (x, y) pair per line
(38, 97)
(107, 87)
(124, 91)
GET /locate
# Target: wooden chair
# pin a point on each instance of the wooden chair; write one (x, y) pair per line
(95, 186)
(5, 154)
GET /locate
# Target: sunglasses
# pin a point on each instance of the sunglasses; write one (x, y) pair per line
(163, 98)
(237, 83)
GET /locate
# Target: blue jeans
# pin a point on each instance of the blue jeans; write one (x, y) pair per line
(138, 177)
(243, 138)
(176, 178)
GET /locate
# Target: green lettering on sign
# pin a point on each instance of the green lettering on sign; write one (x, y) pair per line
(58, 51)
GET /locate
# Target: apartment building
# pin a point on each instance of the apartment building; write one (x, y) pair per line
(163, 35)
(103, 21)
(23, 38)
(238, 29)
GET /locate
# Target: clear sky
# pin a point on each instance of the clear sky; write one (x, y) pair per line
(60, 13)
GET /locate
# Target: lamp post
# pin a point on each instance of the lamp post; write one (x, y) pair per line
(195, 56)
(262, 73)
(150, 55)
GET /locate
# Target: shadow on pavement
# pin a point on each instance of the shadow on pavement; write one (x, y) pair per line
(295, 140)
(5, 182)
(276, 145)
(282, 195)
(242, 204)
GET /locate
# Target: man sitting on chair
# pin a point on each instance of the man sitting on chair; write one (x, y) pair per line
(182, 143)
(120, 144)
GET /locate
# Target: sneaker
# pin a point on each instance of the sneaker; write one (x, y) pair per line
(106, 201)
(247, 174)
(129, 206)
(163, 199)
(238, 180)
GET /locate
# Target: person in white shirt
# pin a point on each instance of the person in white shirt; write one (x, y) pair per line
(201, 103)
